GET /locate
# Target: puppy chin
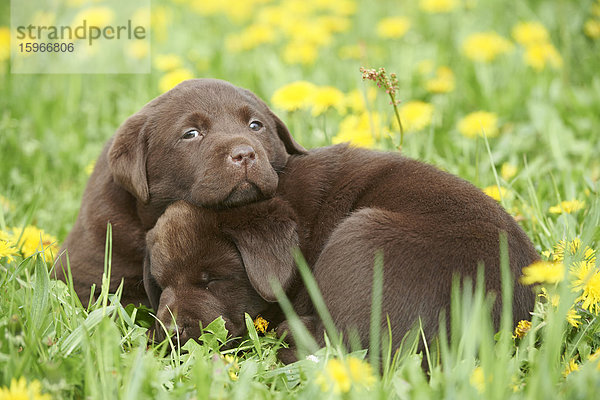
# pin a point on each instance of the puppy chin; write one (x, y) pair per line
(243, 193)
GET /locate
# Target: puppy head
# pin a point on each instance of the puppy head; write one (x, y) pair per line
(205, 141)
(201, 263)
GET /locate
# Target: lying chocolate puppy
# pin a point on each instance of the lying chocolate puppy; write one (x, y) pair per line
(351, 203)
(202, 263)
(205, 141)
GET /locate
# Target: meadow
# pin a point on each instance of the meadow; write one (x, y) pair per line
(504, 95)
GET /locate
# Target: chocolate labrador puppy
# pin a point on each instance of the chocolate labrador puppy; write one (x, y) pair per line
(205, 141)
(351, 203)
(203, 263)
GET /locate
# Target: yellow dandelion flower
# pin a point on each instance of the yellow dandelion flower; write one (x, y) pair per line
(7, 250)
(528, 33)
(293, 96)
(539, 55)
(521, 329)
(174, 78)
(361, 372)
(485, 46)
(587, 280)
(571, 366)
(326, 97)
(274, 16)
(239, 11)
(167, 62)
(416, 115)
(543, 272)
(233, 368)
(308, 32)
(355, 99)
(250, 38)
(507, 171)
(32, 240)
(477, 379)
(567, 207)
(393, 27)
(299, 7)
(336, 377)
(582, 271)
(300, 52)
(19, 390)
(496, 193)
(334, 23)
(361, 130)
(4, 43)
(356, 131)
(591, 28)
(261, 324)
(477, 123)
(573, 318)
(558, 252)
(443, 82)
(438, 6)
(554, 299)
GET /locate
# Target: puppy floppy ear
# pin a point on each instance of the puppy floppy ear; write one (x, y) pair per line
(291, 146)
(127, 157)
(266, 242)
(153, 291)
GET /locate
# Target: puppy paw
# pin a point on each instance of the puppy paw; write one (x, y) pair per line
(287, 356)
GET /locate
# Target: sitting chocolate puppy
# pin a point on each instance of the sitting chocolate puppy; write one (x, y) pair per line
(203, 263)
(205, 141)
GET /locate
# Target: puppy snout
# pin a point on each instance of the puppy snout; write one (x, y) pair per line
(176, 328)
(184, 330)
(243, 155)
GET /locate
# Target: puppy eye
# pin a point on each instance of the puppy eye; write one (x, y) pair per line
(256, 126)
(191, 134)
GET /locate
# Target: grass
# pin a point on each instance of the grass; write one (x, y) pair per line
(53, 126)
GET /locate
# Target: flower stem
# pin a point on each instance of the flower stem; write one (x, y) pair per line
(390, 85)
(399, 122)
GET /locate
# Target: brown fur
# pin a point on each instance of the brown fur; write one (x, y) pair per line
(148, 165)
(351, 203)
(202, 263)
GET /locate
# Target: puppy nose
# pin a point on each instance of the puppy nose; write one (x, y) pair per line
(243, 155)
(176, 328)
